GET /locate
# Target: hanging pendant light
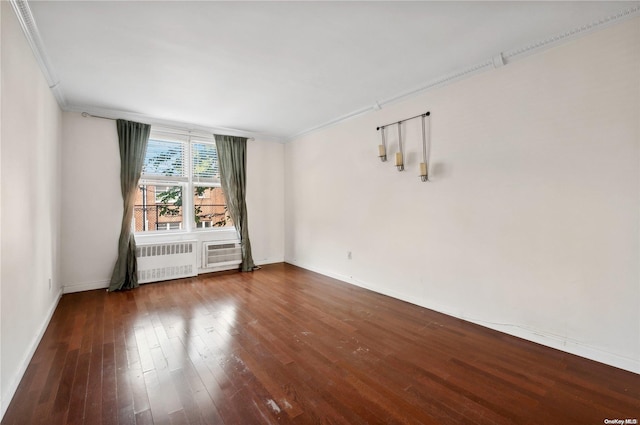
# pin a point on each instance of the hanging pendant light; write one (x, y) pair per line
(382, 149)
(399, 154)
(424, 167)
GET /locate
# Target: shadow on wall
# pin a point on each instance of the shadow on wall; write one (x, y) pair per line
(439, 170)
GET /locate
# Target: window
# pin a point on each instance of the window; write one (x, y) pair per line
(205, 163)
(158, 207)
(164, 158)
(210, 208)
(175, 166)
(166, 194)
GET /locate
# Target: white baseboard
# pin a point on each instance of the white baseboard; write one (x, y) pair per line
(538, 336)
(269, 261)
(104, 284)
(237, 267)
(85, 286)
(18, 374)
(561, 343)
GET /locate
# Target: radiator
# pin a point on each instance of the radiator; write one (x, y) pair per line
(221, 255)
(164, 261)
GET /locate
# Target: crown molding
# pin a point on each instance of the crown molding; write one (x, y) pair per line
(30, 29)
(170, 124)
(497, 61)
(334, 121)
(574, 33)
(32, 34)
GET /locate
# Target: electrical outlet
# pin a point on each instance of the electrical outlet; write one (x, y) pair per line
(349, 255)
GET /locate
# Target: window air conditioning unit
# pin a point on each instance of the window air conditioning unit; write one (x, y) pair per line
(221, 255)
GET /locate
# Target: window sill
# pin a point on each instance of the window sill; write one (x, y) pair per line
(183, 235)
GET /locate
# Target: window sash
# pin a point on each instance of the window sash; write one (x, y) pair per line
(189, 154)
(147, 211)
(166, 159)
(202, 154)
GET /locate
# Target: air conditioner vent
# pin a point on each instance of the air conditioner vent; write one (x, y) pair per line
(221, 255)
(221, 246)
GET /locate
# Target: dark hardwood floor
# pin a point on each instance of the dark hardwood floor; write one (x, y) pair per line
(285, 345)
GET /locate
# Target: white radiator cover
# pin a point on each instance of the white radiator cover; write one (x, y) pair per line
(221, 255)
(167, 260)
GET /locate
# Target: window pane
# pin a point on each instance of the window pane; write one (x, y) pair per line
(210, 208)
(175, 164)
(164, 158)
(205, 162)
(158, 208)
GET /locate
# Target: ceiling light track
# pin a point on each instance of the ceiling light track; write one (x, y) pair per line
(30, 29)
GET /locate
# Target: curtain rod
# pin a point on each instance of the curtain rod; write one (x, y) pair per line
(86, 114)
(179, 130)
(426, 114)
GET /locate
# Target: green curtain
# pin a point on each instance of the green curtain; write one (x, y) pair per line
(133, 138)
(232, 160)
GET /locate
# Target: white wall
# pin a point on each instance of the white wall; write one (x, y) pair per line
(92, 204)
(31, 133)
(265, 200)
(2, 409)
(91, 201)
(531, 222)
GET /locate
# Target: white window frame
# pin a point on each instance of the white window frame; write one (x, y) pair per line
(187, 183)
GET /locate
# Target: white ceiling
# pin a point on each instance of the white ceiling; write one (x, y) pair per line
(281, 68)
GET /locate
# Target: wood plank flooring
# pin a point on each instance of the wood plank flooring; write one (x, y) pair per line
(288, 346)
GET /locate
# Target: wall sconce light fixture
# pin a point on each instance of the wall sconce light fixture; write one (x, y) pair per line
(424, 166)
(382, 149)
(399, 154)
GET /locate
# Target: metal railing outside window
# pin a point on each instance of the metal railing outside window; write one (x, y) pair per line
(162, 217)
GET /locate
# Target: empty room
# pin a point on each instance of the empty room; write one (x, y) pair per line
(319, 212)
